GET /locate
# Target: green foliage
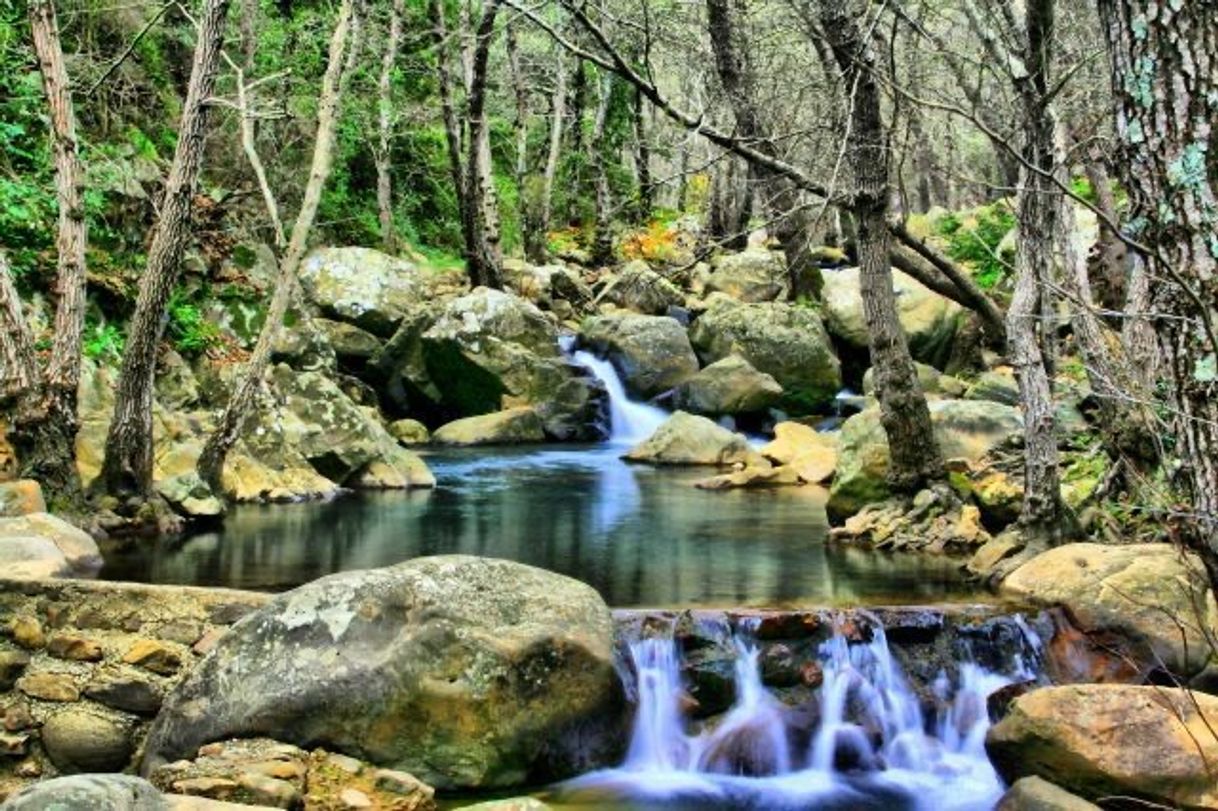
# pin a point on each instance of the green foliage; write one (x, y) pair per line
(191, 332)
(102, 341)
(975, 241)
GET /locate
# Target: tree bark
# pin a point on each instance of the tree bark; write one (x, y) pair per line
(602, 234)
(914, 454)
(127, 469)
(384, 182)
(18, 375)
(480, 221)
(536, 246)
(245, 394)
(448, 110)
(1164, 60)
(642, 161)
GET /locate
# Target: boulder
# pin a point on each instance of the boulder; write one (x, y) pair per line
(21, 497)
(688, 439)
(1034, 794)
(190, 496)
(930, 321)
(79, 739)
(362, 286)
(88, 792)
(752, 477)
(928, 378)
(349, 342)
(639, 288)
(786, 341)
(997, 385)
(811, 454)
(752, 275)
(652, 354)
(500, 428)
(42, 545)
(1153, 595)
(728, 386)
(409, 432)
(1104, 740)
(466, 672)
(964, 429)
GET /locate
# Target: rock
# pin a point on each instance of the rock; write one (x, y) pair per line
(74, 648)
(1154, 595)
(997, 386)
(752, 275)
(127, 693)
(500, 428)
(361, 286)
(155, 656)
(21, 497)
(12, 665)
(1034, 794)
(687, 439)
(985, 562)
(811, 454)
(32, 558)
(964, 429)
(576, 410)
(1103, 740)
(754, 477)
(88, 792)
(637, 287)
(27, 632)
(81, 740)
(728, 386)
(489, 664)
(350, 343)
(928, 378)
(81, 557)
(190, 496)
(511, 804)
(930, 321)
(409, 432)
(49, 686)
(652, 354)
(786, 341)
(999, 498)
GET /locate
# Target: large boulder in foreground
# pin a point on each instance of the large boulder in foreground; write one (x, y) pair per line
(41, 545)
(500, 428)
(466, 672)
(362, 286)
(651, 353)
(728, 386)
(1104, 740)
(1151, 595)
(752, 275)
(786, 341)
(89, 792)
(964, 429)
(929, 320)
(687, 439)
(1034, 794)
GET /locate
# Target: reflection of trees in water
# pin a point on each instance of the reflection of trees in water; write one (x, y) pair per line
(640, 536)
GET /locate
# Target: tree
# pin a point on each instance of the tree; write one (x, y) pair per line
(127, 469)
(480, 215)
(1164, 67)
(384, 187)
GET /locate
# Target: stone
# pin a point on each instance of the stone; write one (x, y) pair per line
(637, 287)
(32, 558)
(753, 275)
(126, 693)
(81, 740)
(350, 343)
(409, 432)
(786, 341)
(1153, 595)
(509, 427)
(1101, 740)
(49, 686)
(490, 665)
(154, 655)
(88, 792)
(1034, 794)
(812, 454)
(27, 631)
(74, 648)
(12, 664)
(930, 321)
(510, 804)
(190, 496)
(21, 497)
(354, 798)
(728, 386)
(998, 549)
(999, 498)
(361, 286)
(651, 354)
(81, 557)
(268, 791)
(752, 477)
(688, 439)
(997, 386)
(929, 378)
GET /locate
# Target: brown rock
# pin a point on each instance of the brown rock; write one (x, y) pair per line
(27, 632)
(264, 790)
(1034, 794)
(14, 745)
(154, 655)
(74, 648)
(49, 686)
(126, 693)
(216, 788)
(354, 798)
(17, 717)
(82, 740)
(208, 641)
(21, 497)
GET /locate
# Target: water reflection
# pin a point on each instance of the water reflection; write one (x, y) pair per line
(640, 536)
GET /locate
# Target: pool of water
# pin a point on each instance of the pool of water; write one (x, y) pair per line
(641, 536)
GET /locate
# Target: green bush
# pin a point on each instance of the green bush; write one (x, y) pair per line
(191, 333)
(977, 244)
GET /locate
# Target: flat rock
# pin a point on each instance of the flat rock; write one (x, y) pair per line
(688, 439)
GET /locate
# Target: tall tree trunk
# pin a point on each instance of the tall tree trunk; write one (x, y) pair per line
(384, 183)
(1112, 258)
(602, 235)
(448, 109)
(915, 458)
(520, 91)
(128, 464)
(1165, 75)
(19, 371)
(481, 226)
(245, 394)
(45, 434)
(642, 160)
(536, 245)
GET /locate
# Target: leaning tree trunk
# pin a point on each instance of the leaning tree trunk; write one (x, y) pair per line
(127, 468)
(44, 432)
(915, 459)
(1164, 57)
(384, 183)
(244, 396)
(479, 225)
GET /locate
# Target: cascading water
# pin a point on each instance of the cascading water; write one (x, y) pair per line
(872, 746)
(630, 421)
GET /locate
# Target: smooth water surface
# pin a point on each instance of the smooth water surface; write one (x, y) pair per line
(641, 536)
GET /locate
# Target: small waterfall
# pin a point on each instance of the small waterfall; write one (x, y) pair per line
(630, 421)
(872, 747)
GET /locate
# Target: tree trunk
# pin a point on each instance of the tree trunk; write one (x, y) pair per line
(245, 394)
(128, 462)
(1111, 286)
(1164, 57)
(448, 110)
(18, 374)
(45, 432)
(481, 235)
(642, 161)
(602, 235)
(915, 459)
(535, 244)
(384, 183)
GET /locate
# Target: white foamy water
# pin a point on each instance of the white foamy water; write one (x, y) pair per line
(630, 421)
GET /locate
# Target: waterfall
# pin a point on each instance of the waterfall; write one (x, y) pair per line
(872, 746)
(630, 421)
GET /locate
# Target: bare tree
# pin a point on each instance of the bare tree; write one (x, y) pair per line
(384, 187)
(127, 468)
(535, 242)
(602, 233)
(480, 216)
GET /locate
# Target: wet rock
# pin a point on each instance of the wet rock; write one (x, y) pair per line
(652, 354)
(21, 497)
(409, 432)
(49, 686)
(81, 740)
(190, 496)
(89, 792)
(752, 477)
(1034, 794)
(686, 439)
(1153, 743)
(711, 675)
(728, 386)
(513, 426)
(488, 663)
(753, 275)
(637, 287)
(811, 454)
